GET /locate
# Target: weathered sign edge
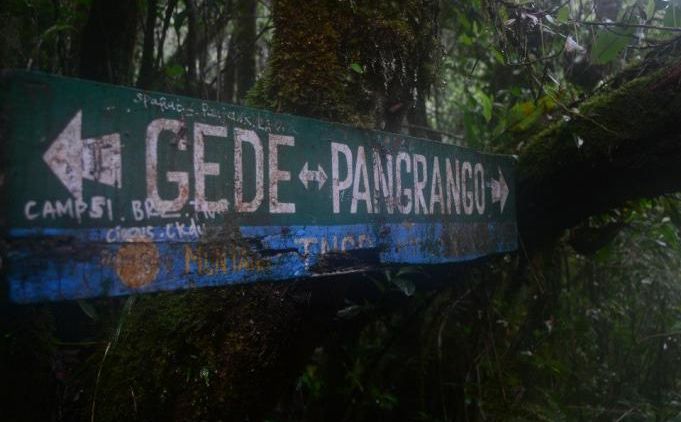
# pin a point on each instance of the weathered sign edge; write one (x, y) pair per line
(9, 73)
(7, 76)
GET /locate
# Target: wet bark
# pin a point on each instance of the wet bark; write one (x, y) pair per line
(146, 75)
(203, 37)
(168, 14)
(354, 64)
(245, 39)
(190, 48)
(108, 41)
(229, 73)
(621, 145)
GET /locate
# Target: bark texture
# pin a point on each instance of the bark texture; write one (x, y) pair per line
(622, 144)
(109, 40)
(356, 63)
(245, 39)
(147, 70)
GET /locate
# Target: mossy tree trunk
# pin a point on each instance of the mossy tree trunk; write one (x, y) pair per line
(620, 145)
(359, 63)
(230, 352)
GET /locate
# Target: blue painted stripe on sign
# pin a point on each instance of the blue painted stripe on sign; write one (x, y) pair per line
(96, 267)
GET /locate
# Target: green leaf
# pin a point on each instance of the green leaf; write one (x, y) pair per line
(408, 270)
(676, 326)
(406, 286)
(470, 124)
(465, 40)
(349, 312)
(650, 9)
(88, 309)
(174, 71)
(672, 17)
(179, 20)
(523, 116)
(498, 56)
(485, 102)
(669, 235)
(57, 28)
(608, 46)
(563, 13)
(357, 68)
(463, 22)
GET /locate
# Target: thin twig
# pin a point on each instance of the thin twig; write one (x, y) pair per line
(432, 130)
(537, 60)
(652, 336)
(627, 25)
(99, 373)
(126, 310)
(627, 413)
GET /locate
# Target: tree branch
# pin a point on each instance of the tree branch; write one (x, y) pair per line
(622, 145)
(627, 25)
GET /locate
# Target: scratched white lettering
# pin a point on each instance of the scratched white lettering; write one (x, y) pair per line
(420, 169)
(338, 185)
(453, 187)
(406, 182)
(240, 137)
(479, 188)
(181, 179)
(436, 188)
(402, 157)
(203, 168)
(276, 175)
(96, 208)
(467, 195)
(28, 211)
(380, 183)
(361, 177)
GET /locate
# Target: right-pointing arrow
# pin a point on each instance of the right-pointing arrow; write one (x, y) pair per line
(500, 190)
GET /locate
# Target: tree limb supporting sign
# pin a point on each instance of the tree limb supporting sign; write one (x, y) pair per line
(108, 191)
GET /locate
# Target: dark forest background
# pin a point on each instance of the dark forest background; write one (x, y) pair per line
(581, 323)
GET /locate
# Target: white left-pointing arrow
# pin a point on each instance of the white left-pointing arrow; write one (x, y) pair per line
(72, 158)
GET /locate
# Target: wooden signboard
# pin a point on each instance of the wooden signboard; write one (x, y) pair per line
(108, 190)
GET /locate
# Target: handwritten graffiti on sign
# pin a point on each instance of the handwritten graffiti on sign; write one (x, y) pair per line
(112, 190)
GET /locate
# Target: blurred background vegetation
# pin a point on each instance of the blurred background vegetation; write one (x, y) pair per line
(585, 327)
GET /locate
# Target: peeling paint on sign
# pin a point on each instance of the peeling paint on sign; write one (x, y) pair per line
(111, 190)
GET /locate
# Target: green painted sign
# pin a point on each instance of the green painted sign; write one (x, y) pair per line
(109, 190)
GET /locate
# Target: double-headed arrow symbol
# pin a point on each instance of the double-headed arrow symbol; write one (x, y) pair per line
(318, 176)
(72, 158)
(499, 190)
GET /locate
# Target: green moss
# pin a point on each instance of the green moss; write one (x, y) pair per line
(208, 354)
(317, 43)
(607, 123)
